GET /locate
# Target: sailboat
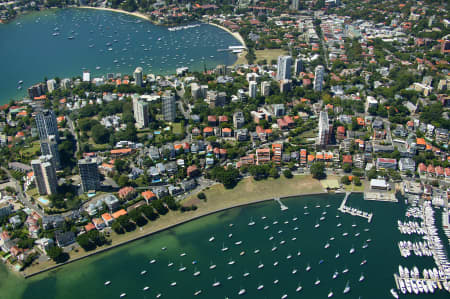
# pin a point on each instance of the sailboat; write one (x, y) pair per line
(251, 223)
(260, 287)
(223, 247)
(361, 278)
(299, 288)
(241, 292)
(335, 275)
(347, 288)
(317, 282)
(308, 268)
(216, 283)
(196, 272)
(330, 294)
(182, 268)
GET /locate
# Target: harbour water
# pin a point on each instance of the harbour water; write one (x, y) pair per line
(294, 232)
(63, 42)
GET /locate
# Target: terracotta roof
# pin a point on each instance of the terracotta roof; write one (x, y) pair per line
(148, 195)
(119, 213)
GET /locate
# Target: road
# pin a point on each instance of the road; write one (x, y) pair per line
(23, 198)
(72, 131)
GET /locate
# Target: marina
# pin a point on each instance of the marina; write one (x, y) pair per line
(353, 211)
(258, 270)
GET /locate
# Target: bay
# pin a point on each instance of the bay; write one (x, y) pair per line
(123, 266)
(64, 42)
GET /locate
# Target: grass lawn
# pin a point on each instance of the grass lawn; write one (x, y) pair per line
(353, 188)
(178, 128)
(241, 58)
(33, 149)
(269, 54)
(249, 190)
(308, 134)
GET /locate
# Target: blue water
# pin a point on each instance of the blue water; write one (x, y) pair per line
(122, 266)
(30, 52)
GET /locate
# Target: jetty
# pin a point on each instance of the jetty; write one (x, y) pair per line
(353, 211)
(282, 206)
(438, 281)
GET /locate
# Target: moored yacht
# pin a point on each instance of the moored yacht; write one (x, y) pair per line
(241, 292)
(347, 288)
(394, 293)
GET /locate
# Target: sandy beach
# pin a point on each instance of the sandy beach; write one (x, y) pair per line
(237, 35)
(136, 14)
(248, 191)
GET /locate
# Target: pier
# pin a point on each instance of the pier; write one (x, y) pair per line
(282, 206)
(353, 211)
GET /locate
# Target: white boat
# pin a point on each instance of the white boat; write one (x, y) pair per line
(365, 245)
(211, 239)
(345, 234)
(241, 292)
(143, 272)
(238, 243)
(242, 253)
(275, 264)
(335, 274)
(256, 251)
(212, 266)
(152, 261)
(107, 283)
(363, 262)
(284, 296)
(146, 288)
(230, 235)
(251, 223)
(182, 268)
(339, 224)
(216, 284)
(21, 82)
(231, 262)
(123, 295)
(289, 257)
(361, 278)
(337, 255)
(299, 253)
(197, 292)
(230, 277)
(327, 245)
(275, 281)
(345, 270)
(196, 273)
(347, 288)
(352, 250)
(414, 287)
(294, 271)
(394, 293)
(183, 254)
(173, 284)
(260, 287)
(246, 274)
(317, 282)
(317, 225)
(266, 227)
(158, 295)
(330, 294)
(308, 268)
(299, 288)
(402, 286)
(224, 248)
(260, 266)
(274, 248)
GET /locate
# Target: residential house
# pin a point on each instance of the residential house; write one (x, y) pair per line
(64, 239)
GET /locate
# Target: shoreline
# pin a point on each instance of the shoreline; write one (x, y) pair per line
(136, 14)
(236, 35)
(156, 230)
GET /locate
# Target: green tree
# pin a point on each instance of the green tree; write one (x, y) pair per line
(100, 134)
(345, 180)
(347, 168)
(273, 173)
(57, 254)
(318, 171)
(288, 174)
(356, 181)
